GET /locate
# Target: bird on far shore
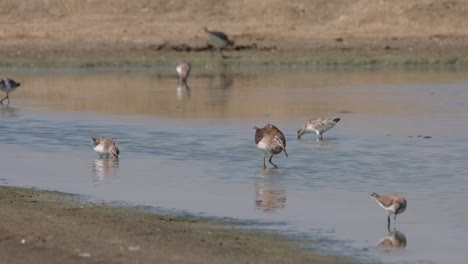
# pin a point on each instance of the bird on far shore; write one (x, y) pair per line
(105, 146)
(392, 203)
(183, 70)
(220, 40)
(271, 141)
(8, 85)
(318, 125)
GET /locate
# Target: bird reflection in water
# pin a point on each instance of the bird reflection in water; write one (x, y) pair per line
(219, 90)
(183, 91)
(105, 169)
(393, 240)
(7, 111)
(270, 192)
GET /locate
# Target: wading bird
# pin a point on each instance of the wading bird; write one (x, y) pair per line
(271, 141)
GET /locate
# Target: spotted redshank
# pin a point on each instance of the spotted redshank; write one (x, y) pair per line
(271, 141)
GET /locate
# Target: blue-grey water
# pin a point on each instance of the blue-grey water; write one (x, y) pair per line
(192, 150)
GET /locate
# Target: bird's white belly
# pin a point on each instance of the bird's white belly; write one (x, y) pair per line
(264, 147)
(391, 209)
(100, 150)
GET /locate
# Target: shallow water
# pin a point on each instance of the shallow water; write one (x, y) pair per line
(192, 150)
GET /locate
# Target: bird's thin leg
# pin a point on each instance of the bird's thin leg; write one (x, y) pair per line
(395, 217)
(272, 162)
(211, 49)
(1, 101)
(388, 222)
(222, 55)
(264, 164)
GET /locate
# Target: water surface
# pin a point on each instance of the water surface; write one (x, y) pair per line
(191, 150)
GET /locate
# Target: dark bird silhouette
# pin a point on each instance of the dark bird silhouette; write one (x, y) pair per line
(220, 40)
(8, 85)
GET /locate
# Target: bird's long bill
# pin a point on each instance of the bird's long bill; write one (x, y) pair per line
(282, 145)
(301, 131)
(114, 151)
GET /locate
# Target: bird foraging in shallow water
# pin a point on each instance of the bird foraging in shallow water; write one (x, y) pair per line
(8, 85)
(271, 141)
(317, 125)
(392, 203)
(105, 146)
(183, 70)
(220, 40)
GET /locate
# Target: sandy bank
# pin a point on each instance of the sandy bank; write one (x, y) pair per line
(140, 33)
(48, 227)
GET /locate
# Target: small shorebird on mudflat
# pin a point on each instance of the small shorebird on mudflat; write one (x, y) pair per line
(393, 203)
(8, 85)
(220, 40)
(271, 141)
(317, 125)
(105, 146)
(183, 70)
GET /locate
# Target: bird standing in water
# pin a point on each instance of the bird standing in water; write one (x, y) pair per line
(317, 125)
(105, 146)
(183, 70)
(392, 203)
(8, 85)
(271, 141)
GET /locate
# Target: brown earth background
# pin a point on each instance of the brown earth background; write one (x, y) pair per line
(107, 28)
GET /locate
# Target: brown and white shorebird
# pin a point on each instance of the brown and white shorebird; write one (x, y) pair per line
(220, 40)
(183, 70)
(271, 141)
(393, 203)
(105, 146)
(317, 125)
(8, 85)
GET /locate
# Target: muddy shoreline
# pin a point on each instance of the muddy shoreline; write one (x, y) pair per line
(120, 33)
(49, 227)
(356, 52)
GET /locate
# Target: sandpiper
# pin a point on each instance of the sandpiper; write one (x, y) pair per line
(183, 69)
(317, 125)
(393, 203)
(220, 40)
(271, 141)
(105, 146)
(8, 85)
